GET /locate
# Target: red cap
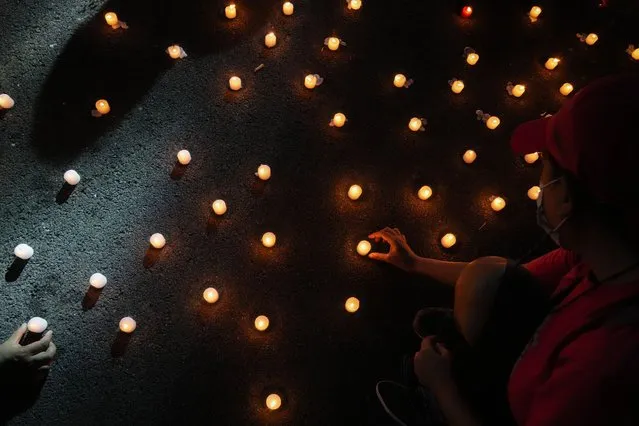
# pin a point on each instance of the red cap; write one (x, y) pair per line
(594, 136)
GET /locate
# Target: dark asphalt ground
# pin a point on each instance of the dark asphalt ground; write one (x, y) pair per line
(188, 363)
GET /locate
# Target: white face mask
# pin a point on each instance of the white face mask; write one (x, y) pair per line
(542, 221)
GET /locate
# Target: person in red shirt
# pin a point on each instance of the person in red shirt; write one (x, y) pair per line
(553, 342)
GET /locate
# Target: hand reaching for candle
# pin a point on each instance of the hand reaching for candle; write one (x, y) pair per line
(400, 253)
(37, 355)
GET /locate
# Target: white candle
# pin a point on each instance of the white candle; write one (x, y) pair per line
(210, 295)
(269, 239)
(352, 304)
(456, 86)
(157, 240)
(551, 63)
(111, 19)
(533, 192)
(174, 51)
(354, 4)
(127, 325)
(415, 124)
(425, 192)
(37, 325)
(354, 192)
(264, 172)
(97, 280)
(472, 58)
(518, 90)
(333, 43)
(591, 39)
(71, 177)
(235, 83)
(338, 120)
(262, 322)
(6, 101)
(288, 8)
(219, 207)
(103, 106)
(534, 13)
(566, 89)
(310, 81)
(184, 157)
(363, 248)
(230, 11)
(469, 156)
(448, 240)
(498, 204)
(531, 158)
(23, 251)
(399, 80)
(270, 39)
(273, 402)
(493, 122)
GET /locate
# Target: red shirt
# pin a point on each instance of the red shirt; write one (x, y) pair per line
(579, 369)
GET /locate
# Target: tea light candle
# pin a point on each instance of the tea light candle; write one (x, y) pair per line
(552, 63)
(518, 90)
(634, 54)
(97, 280)
(399, 80)
(174, 51)
(235, 83)
(270, 39)
(498, 204)
(466, 11)
(533, 192)
(268, 239)
(354, 4)
(352, 304)
(184, 157)
(469, 156)
(456, 86)
(37, 325)
(448, 240)
(338, 120)
(273, 402)
(566, 89)
(262, 322)
(102, 106)
(288, 8)
(230, 11)
(111, 19)
(591, 39)
(210, 295)
(354, 192)
(333, 43)
(310, 81)
(415, 124)
(23, 251)
(264, 172)
(71, 177)
(127, 325)
(534, 13)
(157, 240)
(493, 122)
(6, 102)
(472, 58)
(219, 207)
(531, 158)
(363, 248)
(425, 192)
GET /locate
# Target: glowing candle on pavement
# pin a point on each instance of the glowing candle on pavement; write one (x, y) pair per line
(333, 43)
(425, 192)
(354, 4)
(102, 106)
(531, 158)
(6, 102)
(338, 120)
(518, 90)
(363, 248)
(72, 177)
(352, 304)
(174, 51)
(591, 39)
(264, 172)
(498, 204)
(230, 11)
(472, 58)
(235, 83)
(219, 207)
(634, 53)
(456, 86)
(210, 295)
(566, 89)
(97, 280)
(310, 81)
(493, 122)
(533, 193)
(157, 240)
(268, 239)
(399, 80)
(111, 19)
(270, 39)
(415, 124)
(273, 402)
(551, 63)
(127, 325)
(448, 240)
(262, 322)
(184, 157)
(23, 251)
(534, 13)
(469, 156)
(466, 11)
(354, 192)
(288, 8)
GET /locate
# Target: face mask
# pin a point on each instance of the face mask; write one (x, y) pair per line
(542, 221)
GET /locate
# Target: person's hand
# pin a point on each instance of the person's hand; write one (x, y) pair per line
(400, 253)
(432, 364)
(36, 355)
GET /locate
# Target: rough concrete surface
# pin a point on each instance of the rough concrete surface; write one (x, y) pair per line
(191, 363)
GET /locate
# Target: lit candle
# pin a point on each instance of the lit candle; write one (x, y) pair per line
(493, 122)
(219, 207)
(230, 11)
(37, 325)
(415, 124)
(6, 102)
(363, 248)
(498, 204)
(270, 39)
(551, 63)
(235, 83)
(338, 120)
(210, 295)
(566, 89)
(469, 156)
(518, 90)
(531, 158)
(184, 157)
(268, 239)
(102, 106)
(310, 81)
(425, 192)
(633, 52)
(333, 43)
(399, 80)
(448, 240)
(352, 304)
(71, 177)
(354, 4)
(176, 52)
(97, 280)
(23, 251)
(591, 39)
(466, 11)
(533, 192)
(534, 13)
(111, 19)
(288, 8)
(354, 192)
(127, 325)
(261, 322)
(157, 240)
(273, 401)
(456, 86)
(472, 58)
(263, 172)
